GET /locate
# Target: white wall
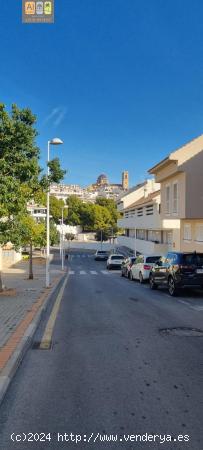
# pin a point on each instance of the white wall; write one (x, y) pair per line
(144, 247)
(69, 229)
(90, 245)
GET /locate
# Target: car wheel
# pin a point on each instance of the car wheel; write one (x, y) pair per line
(172, 287)
(141, 278)
(131, 276)
(152, 284)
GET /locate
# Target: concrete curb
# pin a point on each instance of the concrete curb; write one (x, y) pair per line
(11, 367)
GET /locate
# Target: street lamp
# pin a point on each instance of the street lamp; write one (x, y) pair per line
(55, 141)
(62, 247)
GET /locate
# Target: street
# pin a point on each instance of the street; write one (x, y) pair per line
(110, 369)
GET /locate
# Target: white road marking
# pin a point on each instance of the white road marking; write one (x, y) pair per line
(93, 272)
(71, 272)
(105, 272)
(82, 272)
(195, 308)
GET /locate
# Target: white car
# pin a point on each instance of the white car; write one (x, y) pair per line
(101, 255)
(140, 270)
(114, 261)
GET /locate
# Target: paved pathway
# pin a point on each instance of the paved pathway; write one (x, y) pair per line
(21, 294)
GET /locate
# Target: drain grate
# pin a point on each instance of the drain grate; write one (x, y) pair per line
(181, 331)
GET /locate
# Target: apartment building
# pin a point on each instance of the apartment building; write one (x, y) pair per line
(181, 192)
(141, 221)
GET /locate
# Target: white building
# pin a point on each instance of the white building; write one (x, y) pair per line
(36, 211)
(141, 221)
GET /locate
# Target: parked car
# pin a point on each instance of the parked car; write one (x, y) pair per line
(101, 255)
(141, 268)
(177, 270)
(114, 261)
(126, 266)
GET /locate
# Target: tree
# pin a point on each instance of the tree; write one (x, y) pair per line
(74, 210)
(56, 206)
(56, 173)
(20, 172)
(54, 234)
(102, 218)
(87, 216)
(110, 204)
(69, 236)
(32, 233)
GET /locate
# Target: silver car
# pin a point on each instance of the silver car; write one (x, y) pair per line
(140, 270)
(114, 261)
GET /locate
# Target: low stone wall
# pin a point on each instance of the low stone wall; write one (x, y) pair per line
(9, 257)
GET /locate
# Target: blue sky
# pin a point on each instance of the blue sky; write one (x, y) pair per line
(120, 81)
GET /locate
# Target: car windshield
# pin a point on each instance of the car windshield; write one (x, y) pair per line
(117, 257)
(193, 258)
(152, 259)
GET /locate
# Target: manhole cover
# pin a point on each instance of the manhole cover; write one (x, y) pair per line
(134, 299)
(181, 331)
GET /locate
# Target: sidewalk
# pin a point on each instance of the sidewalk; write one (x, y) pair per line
(21, 302)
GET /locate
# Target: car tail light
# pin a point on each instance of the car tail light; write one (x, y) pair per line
(182, 266)
(147, 267)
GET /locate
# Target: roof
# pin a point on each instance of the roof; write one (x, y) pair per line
(132, 189)
(144, 200)
(164, 162)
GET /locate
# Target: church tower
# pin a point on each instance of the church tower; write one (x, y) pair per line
(125, 180)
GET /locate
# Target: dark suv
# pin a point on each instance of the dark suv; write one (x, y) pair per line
(177, 270)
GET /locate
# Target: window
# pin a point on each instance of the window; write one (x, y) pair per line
(167, 237)
(187, 235)
(167, 199)
(199, 233)
(149, 210)
(175, 198)
(139, 212)
(154, 236)
(141, 234)
(152, 259)
(139, 260)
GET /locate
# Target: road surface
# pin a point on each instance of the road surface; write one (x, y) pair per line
(110, 371)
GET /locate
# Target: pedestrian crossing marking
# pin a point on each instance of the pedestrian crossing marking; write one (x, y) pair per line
(71, 256)
(93, 272)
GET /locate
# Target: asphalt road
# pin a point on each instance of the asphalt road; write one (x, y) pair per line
(110, 371)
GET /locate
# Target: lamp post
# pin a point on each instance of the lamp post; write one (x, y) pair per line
(62, 246)
(101, 238)
(55, 141)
